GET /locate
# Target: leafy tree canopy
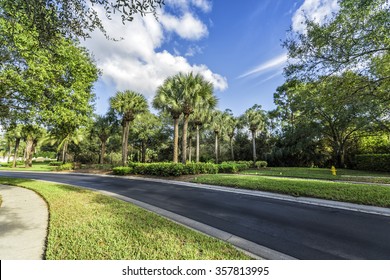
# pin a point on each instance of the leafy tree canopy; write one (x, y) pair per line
(350, 40)
(71, 18)
(54, 86)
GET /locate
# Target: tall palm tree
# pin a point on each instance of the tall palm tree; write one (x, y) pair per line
(231, 125)
(146, 127)
(202, 114)
(194, 90)
(168, 99)
(254, 119)
(127, 104)
(103, 127)
(218, 127)
(179, 95)
(31, 134)
(16, 133)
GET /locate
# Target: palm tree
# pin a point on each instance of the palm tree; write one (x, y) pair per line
(146, 126)
(31, 134)
(254, 119)
(103, 127)
(231, 126)
(16, 133)
(127, 104)
(168, 99)
(218, 127)
(202, 114)
(178, 95)
(195, 90)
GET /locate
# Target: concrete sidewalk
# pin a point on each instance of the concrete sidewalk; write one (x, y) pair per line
(23, 224)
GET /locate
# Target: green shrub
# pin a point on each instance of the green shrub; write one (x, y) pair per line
(200, 168)
(373, 162)
(165, 169)
(261, 164)
(242, 164)
(122, 170)
(65, 166)
(4, 164)
(231, 167)
(55, 163)
(227, 168)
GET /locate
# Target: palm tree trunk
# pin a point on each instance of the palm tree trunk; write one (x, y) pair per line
(125, 138)
(143, 151)
(64, 150)
(197, 143)
(176, 140)
(216, 147)
(254, 145)
(29, 152)
(231, 149)
(190, 149)
(102, 152)
(184, 140)
(16, 152)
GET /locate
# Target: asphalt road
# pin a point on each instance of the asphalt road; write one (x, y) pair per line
(300, 230)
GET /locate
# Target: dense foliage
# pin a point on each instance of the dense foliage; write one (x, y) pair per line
(373, 162)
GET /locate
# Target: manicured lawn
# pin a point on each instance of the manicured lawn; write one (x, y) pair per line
(88, 225)
(340, 191)
(37, 166)
(322, 173)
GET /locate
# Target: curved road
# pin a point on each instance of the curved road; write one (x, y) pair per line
(298, 230)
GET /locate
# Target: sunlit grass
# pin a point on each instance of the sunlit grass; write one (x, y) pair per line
(88, 225)
(322, 173)
(36, 166)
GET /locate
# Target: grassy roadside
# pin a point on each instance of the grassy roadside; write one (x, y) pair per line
(88, 225)
(37, 166)
(322, 173)
(375, 195)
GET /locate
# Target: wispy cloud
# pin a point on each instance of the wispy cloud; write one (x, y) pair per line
(272, 64)
(278, 73)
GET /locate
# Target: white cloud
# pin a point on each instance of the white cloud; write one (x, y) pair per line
(204, 5)
(271, 64)
(187, 27)
(134, 62)
(317, 10)
(184, 5)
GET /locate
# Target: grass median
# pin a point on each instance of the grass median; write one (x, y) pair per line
(88, 225)
(375, 195)
(322, 173)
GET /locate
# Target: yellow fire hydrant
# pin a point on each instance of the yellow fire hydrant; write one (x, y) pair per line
(333, 170)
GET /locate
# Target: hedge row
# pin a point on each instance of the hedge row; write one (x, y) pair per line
(248, 163)
(373, 162)
(166, 169)
(178, 169)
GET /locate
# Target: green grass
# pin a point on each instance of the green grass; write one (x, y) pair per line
(36, 166)
(340, 191)
(88, 225)
(322, 173)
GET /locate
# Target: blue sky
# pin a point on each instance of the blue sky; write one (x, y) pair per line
(236, 45)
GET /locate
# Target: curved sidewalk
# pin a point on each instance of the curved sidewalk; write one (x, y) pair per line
(23, 224)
